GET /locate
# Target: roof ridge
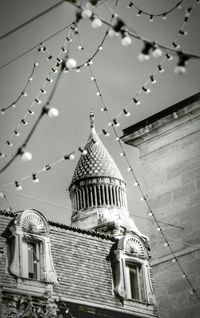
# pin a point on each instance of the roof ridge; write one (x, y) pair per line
(67, 227)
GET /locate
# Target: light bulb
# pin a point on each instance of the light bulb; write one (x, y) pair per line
(71, 63)
(36, 64)
(126, 113)
(26, 156)
(9, 143)
(161, 70)
(35, 179)
(143, 57)
(71, 156)
(16, 133)
(169, 57)
(24, 94)
(122, 154)
(64, 50)
(96, 23)
(166, 244)
(49, 57)
(18, 186)
(136, 101)
(100, 48)
(136, 183)
(150, 213)
(164, 16)
(31, 112)
(43, 91)
(98, 93)
(146, 90)
(153, 80)
(178, 70)
(92, 78)
(2, 112)
(139, 13)
(13, 105)
(151, 19)
(53, 112)
(80, 47)
(112, 33)
(126, 40)
(116, 123)
(38, 101)
(158, 229)
(30, 79)
(129, 169)
(157, 52)
(2, 155)
(86, 13)
(105, 132)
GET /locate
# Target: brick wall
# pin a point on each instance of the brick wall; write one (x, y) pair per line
(170, 160)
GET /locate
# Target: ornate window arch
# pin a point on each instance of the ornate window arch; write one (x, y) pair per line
(131, 270)
(29, 248)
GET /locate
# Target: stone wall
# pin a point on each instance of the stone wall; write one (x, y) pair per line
(169, 144)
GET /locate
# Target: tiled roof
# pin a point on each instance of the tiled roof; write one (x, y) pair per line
(97, 162)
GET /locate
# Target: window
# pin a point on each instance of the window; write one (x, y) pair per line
(134, 281)
(33, 260)
(29, 252)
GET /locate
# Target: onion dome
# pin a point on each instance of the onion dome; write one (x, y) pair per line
(97, 181)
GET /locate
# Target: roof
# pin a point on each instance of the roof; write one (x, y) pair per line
(166, 112)
(66, 227)
(97, 162)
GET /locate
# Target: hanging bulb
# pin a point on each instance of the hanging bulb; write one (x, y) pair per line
(18, 186)
(47, 167)
(24, 94)
(50, 80)
(136, 183)
(25, 155)
(100, 48)
(43, 91)
(104, 109)
(136, 101)
(122, 154)
(54, 70)
(30, 79)
(139, 13)
(183, 32)
(169, 57)
(16, 133)
(69, 157)
(173, 260)
(78, 70)
(129, 169)
(158, 229)
(86, 13)
(2, 155)
(64, 50)
(164, 16)
(36, 64)
(53, 112)
(98, 93)
(118, 25)
(82, 151)
(34, 178)
(126, 113)
(161, 70)
(112, 33)
(150, 213)
(71, 63)
(157, 52)
(179, 6)
(42, 49)
(116, 123)
(153, 80)
(31, 112)
(2, 111)
(126, 39)
(49, 57)
(105, 132)
(117, 138)
(180, 68)
(38, 101)
(9, 143)
(130, 4)
(146, 90)
(144, 54)
(96, 23)
(142, 199)
(175, 45)
(151, 19)
(166, 244)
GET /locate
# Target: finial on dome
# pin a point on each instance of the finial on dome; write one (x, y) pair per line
(92, 125)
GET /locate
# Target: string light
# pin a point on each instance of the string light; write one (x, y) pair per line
(25, 155)
(71, 156)
(35, 178)
(180, 68)
(146, 90)
(153, 80)
(18, 186)
(136, 101)
(52, 112)
(71, 63)
(126, 39)
(144, 54)
(126, 113)
(96, 22)
(116, 123)
(156, 52)
(105, 132)
(160, 68)
(82, 151)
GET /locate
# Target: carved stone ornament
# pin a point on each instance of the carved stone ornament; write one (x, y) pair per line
(26, 307)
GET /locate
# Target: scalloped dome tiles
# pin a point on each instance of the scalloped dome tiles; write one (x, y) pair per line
(97, 162)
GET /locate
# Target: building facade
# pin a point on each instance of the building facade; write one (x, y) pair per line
(169, 144)
(97, 267)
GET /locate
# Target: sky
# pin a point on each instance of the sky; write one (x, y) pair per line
(119, 75)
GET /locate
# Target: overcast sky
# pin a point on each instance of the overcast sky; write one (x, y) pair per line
(119, 75)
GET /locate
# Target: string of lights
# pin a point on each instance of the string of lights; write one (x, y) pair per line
(152, 15)
(152, 78)
(42, 91)
(3, 196)
(113, 123)
(29, 80)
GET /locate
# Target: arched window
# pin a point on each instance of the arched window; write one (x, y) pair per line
(29, 252)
